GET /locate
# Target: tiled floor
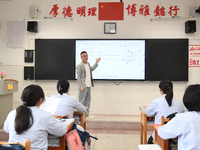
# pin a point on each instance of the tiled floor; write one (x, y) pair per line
(130, 118)
(113, 122)
(115, 142)
(112, 140)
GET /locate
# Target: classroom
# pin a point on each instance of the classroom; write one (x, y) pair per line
(109, 98)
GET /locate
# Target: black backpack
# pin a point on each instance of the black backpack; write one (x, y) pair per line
(171, 116)
(171, 141)
(84, 136)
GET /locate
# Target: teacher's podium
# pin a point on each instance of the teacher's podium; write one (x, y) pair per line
(7, 88)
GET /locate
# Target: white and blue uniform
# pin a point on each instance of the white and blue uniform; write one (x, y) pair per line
(159, 107)
(186, 127)
(67, 105)
(43, 124)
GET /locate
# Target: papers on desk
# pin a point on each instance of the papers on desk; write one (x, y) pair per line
(142, 107)
(50, 104)
(67, 122)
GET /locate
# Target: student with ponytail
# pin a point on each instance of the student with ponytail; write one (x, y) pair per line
(29, 122)
(185, 125)
(165, 105)
(67, 103)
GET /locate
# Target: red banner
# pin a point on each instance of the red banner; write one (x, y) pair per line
(194, 55)
(111, 11)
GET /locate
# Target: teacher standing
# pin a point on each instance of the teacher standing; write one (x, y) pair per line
(85, 81)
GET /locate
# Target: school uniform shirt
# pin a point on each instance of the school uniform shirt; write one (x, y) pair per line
(186, 127)
(67, 105)
(159, 107)
(43, 124)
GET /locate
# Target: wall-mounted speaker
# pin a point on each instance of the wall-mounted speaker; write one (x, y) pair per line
(28, 73)
(32, 26)
(190, 26)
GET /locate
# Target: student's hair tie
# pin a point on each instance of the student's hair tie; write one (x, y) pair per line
(59, 88)
(24, 104)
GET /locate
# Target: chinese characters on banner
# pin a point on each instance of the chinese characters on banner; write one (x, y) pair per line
(67, 11)
(158, 11)
(194, 56)
(115, 10)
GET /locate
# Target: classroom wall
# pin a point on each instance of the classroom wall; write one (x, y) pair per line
(107, 97)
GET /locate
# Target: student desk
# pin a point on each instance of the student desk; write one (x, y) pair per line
(63, 142)
(158, 140)
(144, 124)
(62, 139)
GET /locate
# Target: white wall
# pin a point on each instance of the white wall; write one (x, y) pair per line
(107, 98)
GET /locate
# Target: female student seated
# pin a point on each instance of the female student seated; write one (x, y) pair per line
(185, 125)
(29, 122)
(67, 103)
(164, 105)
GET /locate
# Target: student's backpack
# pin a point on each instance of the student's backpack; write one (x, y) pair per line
(85, 137)
(172, 142)
(11, 147)
(171, 116)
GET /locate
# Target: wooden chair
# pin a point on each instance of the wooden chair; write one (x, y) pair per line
(27, 144)
(63, 142)
(163, 120)
(165, 143)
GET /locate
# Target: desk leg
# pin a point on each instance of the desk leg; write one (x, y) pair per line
(84, 126)
(141, 133)
(156, 136)
(145, 129)
(145, 135)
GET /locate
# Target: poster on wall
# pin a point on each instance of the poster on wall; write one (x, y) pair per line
(194, 56)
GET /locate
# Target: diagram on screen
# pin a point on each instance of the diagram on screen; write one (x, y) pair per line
(131, 56)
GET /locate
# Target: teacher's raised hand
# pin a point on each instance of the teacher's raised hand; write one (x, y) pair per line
(98, 60)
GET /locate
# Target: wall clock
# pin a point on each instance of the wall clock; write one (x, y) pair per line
(109, 28)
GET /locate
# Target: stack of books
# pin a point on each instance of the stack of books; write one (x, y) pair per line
(53, 141)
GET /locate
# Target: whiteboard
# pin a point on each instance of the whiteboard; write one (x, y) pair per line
(120, 59)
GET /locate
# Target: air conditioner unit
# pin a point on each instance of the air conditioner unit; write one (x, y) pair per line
(32, 11)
